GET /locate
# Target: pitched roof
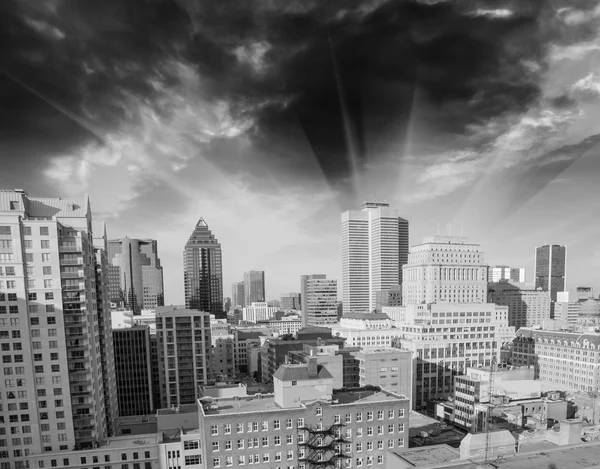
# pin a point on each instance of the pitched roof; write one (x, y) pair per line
(299, 373)
(39, 207)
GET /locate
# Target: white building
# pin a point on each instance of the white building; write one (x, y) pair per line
(374, 249)
(321, 302)
(444, 269)
(496, 273)
(50, 330)
(366, 321)
(258, 311)
(284, 326)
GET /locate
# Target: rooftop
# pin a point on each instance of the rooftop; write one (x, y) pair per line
(369, 316)
(182, 409)
(428, 455)
(266, 402)
(299, 372)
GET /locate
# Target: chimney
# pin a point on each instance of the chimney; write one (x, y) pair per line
(312, 367)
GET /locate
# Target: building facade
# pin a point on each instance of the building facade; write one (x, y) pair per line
(254, 287)
(222, 365)
(184, 350)
(258, 311)
(497, 273)
(135, 274)
(109, 378)
(238, 297)
(374, 249)
(445, 269)
(551, 269)
(49, 328)
(567, 360)
(526, 307)
(290, 301)
(304, 424)
(321, 302)
(203, 271)
(133, 365)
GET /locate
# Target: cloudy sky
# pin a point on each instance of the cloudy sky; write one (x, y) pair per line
(270, 118)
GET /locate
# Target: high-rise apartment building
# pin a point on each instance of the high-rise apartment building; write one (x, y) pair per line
(184, 350)
(203, 271)
(135, 274)
(254, 287)
(526, 307)
(551, 269)
(290, 301)
(109, 379)
(321, 302)
(444, 269)
(238, 297)
(133, 364)
(496, 273)
(303, 282)
(49, 327)
(374, 249)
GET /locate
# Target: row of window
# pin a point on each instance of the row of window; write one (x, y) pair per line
(12, 285)
(96, 459)
(5, 230)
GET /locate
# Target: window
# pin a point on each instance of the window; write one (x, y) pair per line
(391, 414)
(44, 231)
(216, 462)
(254, 426)
(348, 418)
(265, 441)
(300, 422)
(400, 427)
(380, 415)
(240, 444)
(193, 459)
(276, 425)
(391, 428)
(359, 417)
(400, 442)
(50, 308)
(278, 456)
(288, 423)
(289, 439)
(369, 431)
(290, 454)
(265, 425)
(241, 460)
(240, 428)
(276, 440)
(369, 446)
(228, 444)
(369, 416)
(47, 270)
(400, 413)
(390, 444)
(48, 283)
(319, 411)
(380, 459)
(32, 297)
(215, 446)
(229, 460)
(227, 429)
(214, 429)
(359, 432)
(49, 295)
(45, 244)
(358, 447)
(187, 445)
(380, 430)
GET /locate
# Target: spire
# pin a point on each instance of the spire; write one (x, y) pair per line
(202, 223)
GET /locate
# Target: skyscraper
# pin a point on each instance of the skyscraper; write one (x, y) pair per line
(50, 338)
(238, 298)
(203, 271)
(445, 269)
(290, 301)
(254, 286)
(550, 269)
(374, 249)
(135, 274)
(303, 282)
(321, 303)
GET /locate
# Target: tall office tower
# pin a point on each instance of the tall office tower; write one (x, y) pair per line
(184, 349)
(133, 364)
(109, 380)
(290, 301)
(496, 273)
(238, 297)
(374, 249)
(203, 271)
(526, 307)
(135, 274)
(226, 303)
(303, 282)
(445, 269)
(550, 269)
(321, 303)
(50, 338)
(254, 286)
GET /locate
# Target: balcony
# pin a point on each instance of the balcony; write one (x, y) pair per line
(80, 381)
(72, 274)
(78, 261)
(82, 405)
(78, 287)
(68, 248)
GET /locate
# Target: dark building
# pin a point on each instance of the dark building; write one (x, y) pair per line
(290, 301)
(133, 370)
(135, 274)
(390, 297)
(550, 269)
(254, 287)
(274, 352)
(203, 271)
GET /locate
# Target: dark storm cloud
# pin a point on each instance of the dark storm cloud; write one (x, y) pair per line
(288, 66)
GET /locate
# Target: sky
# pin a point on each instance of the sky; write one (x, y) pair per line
(268, 119)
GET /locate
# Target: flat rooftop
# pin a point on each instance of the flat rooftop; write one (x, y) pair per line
(428, 455)
(266, 402)
(182, 409)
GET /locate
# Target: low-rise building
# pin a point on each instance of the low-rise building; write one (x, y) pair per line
(305, 423)
(387, 368)
(366, 321)
(284, 326)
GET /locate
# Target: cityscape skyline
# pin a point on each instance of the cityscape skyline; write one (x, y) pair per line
(445, 139)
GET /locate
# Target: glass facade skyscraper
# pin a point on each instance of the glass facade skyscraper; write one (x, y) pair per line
(551, 269)
(203, 271)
